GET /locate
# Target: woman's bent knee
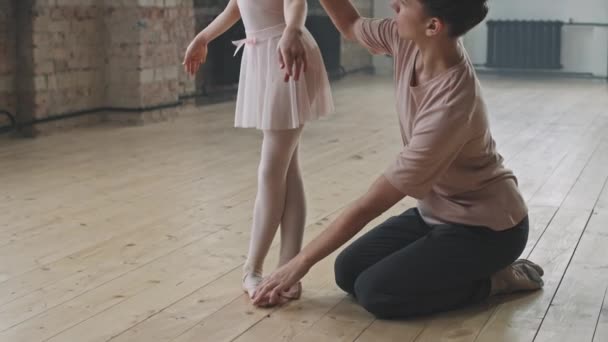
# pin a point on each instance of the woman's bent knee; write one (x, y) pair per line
(370, 297)
(373, 297)
(345, 273)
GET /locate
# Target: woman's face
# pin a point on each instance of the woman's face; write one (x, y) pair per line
(412, 21)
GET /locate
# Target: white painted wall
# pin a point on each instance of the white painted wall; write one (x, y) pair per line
(577, 10)
(584, 49)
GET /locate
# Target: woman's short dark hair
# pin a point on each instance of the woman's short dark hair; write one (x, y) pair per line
(459, 15)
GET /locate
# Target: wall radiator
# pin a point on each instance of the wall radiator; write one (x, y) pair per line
(524, 44)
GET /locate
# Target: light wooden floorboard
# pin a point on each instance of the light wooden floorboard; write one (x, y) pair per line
(576, 308)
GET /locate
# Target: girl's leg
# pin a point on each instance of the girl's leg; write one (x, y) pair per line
(293, 220)
(294, 214)
(277, 150)
(449, 268)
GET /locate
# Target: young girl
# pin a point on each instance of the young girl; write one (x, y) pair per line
(272, 97)
(460, 245)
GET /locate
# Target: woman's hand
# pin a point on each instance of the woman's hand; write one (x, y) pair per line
(292, 53)
(270, 289)
(196, 54)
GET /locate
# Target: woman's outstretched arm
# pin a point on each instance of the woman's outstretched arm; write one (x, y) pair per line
(343, 14)
(381, 196)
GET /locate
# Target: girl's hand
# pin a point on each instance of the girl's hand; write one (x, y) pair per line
(196, 54)
(292, 53)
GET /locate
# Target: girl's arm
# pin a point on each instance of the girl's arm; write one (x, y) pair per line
(229, 16)
(343, 14)
(196, 54)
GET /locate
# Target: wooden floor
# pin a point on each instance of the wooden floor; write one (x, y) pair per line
(139, 234)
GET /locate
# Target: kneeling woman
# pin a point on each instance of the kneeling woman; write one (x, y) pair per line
(461, 243)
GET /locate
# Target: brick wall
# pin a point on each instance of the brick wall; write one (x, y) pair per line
(145, 45)
(68, 50)
(122, 49)
(182, 33)
(164, 43)
(8, 100)
(79, 55)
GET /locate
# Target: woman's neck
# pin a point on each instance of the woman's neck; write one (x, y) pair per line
(436, 57)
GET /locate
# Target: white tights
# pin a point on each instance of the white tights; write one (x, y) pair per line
(280, 201)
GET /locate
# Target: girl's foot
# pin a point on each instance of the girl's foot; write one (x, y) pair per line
(251, 280)
(293, 293)
(522, 275)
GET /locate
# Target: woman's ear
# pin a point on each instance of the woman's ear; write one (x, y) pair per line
(434, 27)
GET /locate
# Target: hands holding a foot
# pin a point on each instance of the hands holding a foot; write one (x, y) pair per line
(281, 286)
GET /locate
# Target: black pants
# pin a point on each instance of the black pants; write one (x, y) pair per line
(405, 267)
